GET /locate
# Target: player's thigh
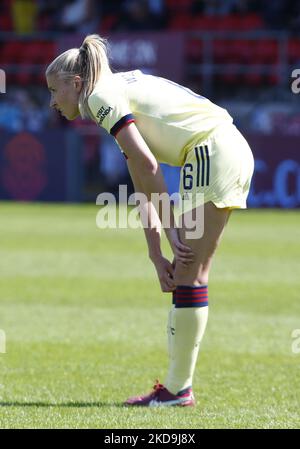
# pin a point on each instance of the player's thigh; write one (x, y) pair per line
(204, 247)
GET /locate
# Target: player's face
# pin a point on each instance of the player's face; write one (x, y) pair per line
(65, 95)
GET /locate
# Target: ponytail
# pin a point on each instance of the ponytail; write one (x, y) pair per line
(93, 60)
(90, 62)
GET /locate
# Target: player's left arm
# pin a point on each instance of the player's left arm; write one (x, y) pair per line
(152, 229)
(145, 166)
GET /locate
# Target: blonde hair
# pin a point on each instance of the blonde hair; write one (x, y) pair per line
(90, 61)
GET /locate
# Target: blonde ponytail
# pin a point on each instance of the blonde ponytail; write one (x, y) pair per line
(90, 61)
(94, 62)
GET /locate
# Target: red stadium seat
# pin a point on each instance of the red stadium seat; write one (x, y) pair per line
(230, 75)
(48, 51)
(253, 79)
(34, 52)
(204, 23)
(227, 23)
(265, 51)
(180, 22)
(23, 78)
(31, 58)
(231, 51)
(251, 22)
(11, 51)
(273, 78)
(5, 23)
(242, 50)
(194, 50)
(108, 22)
(294, 51)
(221, 50)
(178, 5)
(231, 22)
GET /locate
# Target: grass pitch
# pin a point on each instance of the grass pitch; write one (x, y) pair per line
(85, 324)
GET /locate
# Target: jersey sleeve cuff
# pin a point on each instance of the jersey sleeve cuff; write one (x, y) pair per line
(121, 123)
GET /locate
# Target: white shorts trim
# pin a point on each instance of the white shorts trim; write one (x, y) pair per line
(220, 168)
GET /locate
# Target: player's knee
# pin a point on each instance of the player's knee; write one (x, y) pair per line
(185, 275)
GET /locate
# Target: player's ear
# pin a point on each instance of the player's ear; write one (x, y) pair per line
(77, 83)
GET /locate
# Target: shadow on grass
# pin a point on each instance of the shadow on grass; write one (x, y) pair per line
(62, 404)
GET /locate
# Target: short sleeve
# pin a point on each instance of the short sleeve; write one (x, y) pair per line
(110, 108)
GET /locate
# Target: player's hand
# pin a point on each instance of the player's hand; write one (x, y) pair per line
(182, 252)
(165, 273)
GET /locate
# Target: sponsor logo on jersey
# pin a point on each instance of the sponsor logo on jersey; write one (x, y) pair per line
(102, 113)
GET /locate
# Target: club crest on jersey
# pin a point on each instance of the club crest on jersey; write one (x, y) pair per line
(102, 113)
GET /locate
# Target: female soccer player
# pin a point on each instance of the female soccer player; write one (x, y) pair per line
(155, 120)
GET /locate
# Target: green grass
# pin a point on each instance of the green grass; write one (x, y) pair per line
(85, 324)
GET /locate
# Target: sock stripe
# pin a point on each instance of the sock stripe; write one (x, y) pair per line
(186, 292)
(198, 290)
(193, 295)
(191, 291)
(187, 304)
(192, 304)
(187, 296)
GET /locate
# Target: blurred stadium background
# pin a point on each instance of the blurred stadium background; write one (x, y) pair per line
(238, 53)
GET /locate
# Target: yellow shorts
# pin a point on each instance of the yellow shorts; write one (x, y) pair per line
(218, 169)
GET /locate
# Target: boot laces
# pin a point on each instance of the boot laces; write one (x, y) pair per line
(157, 387)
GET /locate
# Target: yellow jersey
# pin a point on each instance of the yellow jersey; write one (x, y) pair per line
(171, 118)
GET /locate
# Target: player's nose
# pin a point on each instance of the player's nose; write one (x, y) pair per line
(52, 103)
